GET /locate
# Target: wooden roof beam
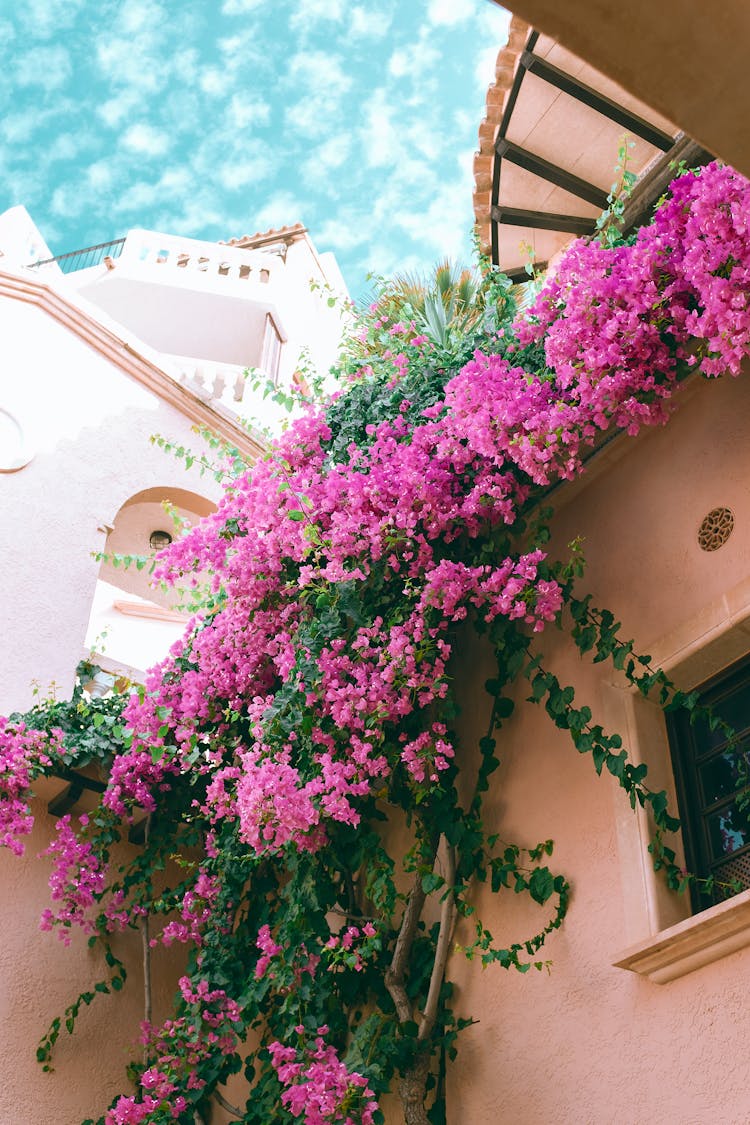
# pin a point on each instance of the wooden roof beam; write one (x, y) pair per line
(552, 173)
(560, 79)
(543, 220)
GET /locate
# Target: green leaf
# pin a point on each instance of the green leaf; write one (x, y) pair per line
(431, 882)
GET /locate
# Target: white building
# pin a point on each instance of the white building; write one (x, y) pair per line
(101, 348)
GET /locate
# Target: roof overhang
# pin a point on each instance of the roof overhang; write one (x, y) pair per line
(685, 58)
(549, 148)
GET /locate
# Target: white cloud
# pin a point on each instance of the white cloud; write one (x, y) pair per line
(19, 127)
(415, 60)
(322, 84)
(380, 140)
(238, 174)
(442, 226)
(239, 7)
(67, 202)
(145, 139)
(308, 12)
(494, 23)
(319, 71)
(242, 53)
(46, 67)
(131, 63)
(465, 121)
(484, 67)
(41, 19)
(174, 186)
(243, 111)
(115, 110)
(194, 216)
(446, 13)
(213, 81)
(186, 66)
(391, 138)
(99, 175)
(135, 16)
(343, 233)
(176, 181)
(325, 159)
(65, 146)
(137, 197)
(282, 209)
(368, 23)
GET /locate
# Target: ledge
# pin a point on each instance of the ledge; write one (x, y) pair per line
(689, 945)
(134, 361)
(151, 612)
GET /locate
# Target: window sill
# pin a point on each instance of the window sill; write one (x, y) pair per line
(689, 945)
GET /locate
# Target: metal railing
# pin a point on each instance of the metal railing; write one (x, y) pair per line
(84, 259)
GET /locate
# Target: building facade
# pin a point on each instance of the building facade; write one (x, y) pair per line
(102, 350)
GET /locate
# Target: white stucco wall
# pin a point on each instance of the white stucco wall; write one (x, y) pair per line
(89, 424)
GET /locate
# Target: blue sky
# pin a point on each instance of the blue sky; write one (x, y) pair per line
(215, 118)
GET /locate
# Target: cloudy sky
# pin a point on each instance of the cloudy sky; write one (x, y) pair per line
(214, 118)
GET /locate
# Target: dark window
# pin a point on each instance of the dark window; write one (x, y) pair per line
(710, 768)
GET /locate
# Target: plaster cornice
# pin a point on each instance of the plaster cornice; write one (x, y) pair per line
(130, 360)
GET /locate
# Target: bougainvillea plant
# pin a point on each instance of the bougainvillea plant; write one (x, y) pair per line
(301, 743)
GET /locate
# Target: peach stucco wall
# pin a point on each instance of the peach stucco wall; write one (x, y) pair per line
(39, 978)
(586, 1042)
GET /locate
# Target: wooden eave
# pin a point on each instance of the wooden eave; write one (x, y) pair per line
(548, 147)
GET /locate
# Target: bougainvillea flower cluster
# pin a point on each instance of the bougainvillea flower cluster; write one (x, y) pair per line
(317, 681)
(23, 754)
(319, 1090)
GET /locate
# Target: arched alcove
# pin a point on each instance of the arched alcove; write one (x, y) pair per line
(133, 622)
(159, 509)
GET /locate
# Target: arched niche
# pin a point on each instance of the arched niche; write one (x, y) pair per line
(133, 531)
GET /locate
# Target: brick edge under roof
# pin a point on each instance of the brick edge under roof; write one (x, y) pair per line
(273, 234)
(508, 60)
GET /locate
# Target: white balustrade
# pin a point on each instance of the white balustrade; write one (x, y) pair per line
(194, 256)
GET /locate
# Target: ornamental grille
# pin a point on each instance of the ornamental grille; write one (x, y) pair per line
(734, 869)
(715, 529)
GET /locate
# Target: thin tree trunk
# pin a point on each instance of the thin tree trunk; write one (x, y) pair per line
(146, 949)
(413, 1083)
(413, 1089)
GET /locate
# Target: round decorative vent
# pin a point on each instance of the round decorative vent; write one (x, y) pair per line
(15, 450)
(716, 528)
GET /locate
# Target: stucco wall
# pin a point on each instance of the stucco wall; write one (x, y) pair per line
(588, 1042)
(584, 1043)
(90, 425)
(39, 978)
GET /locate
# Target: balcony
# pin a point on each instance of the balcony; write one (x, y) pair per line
(183, 296)
(82, 259)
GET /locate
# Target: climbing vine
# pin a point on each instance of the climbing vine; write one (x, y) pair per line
(304, 739)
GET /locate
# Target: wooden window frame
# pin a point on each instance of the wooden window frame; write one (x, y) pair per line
(690, 755)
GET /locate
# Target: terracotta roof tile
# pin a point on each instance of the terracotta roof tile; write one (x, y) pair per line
(273, 234)
(508, 58)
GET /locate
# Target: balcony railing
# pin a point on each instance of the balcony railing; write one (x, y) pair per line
(84, 259)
